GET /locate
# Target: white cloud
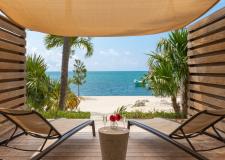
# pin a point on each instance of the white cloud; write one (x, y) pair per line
(127, 53)
(52, 58)
(113, 52)
(110, 52)
(102, 59)
(96, 63)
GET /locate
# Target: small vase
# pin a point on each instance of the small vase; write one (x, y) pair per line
(114, 125)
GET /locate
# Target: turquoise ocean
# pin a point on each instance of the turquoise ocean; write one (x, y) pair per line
(109, 83)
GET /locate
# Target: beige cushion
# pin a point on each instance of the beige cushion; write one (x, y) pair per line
(33, 123)
(197, 124)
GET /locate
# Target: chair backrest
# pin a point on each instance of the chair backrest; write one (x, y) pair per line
(30, 122)
(201, 121)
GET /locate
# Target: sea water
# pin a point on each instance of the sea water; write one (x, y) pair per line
(109, 83)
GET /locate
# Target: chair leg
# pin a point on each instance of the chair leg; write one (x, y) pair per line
(11, 137)
(128, 125)
(218, 134)
(46, 139)
(93, 128)
(189, 142)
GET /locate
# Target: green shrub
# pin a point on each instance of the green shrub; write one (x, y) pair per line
(66, 114)
(149, 115)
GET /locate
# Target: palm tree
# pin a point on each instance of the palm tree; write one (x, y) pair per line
(172, 53)
(162, 79)
(175, 46)
(80, 72)
(52, 41)
(38, 83)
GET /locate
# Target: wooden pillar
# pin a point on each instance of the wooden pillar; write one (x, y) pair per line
(12, 68)
(206, 60)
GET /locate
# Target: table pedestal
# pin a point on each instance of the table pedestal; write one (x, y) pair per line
(113, 143)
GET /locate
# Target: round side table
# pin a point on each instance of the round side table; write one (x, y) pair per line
(113, 143)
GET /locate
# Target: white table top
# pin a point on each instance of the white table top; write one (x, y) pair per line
(113, 131)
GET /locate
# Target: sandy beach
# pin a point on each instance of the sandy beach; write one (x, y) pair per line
(108, 104)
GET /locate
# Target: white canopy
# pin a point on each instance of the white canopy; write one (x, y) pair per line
(104, 17)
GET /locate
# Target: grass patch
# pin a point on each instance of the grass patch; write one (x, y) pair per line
(149, 115)
(65, 114)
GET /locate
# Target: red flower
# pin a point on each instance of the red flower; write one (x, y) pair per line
(118, 117)
(112, 118)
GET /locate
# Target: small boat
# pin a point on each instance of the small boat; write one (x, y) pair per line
(139, 83)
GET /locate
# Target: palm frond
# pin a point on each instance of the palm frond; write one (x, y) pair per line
(52, 41)
(84, 43)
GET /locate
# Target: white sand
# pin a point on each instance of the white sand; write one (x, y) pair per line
(108, 104)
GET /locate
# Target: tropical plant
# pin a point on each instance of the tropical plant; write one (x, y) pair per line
(71, 100)
(42, 91)
(121, 110)
(53, 101)
(65, 114)
(37, 86)
(52, 41)
(175, 46)
(169, 68)
(162, 79)
(137, 114)
(80, 73)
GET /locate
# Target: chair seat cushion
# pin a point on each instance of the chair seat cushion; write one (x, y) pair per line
(160, 124)
(64, 125)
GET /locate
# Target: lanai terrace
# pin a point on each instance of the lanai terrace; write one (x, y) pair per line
(206, 69)
(82, 146)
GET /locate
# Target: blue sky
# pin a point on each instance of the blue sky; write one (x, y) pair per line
(110, 53)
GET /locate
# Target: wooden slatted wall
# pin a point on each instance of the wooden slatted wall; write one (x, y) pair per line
(12, 68)
(207, 63)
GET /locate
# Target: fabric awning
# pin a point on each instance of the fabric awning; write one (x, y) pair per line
(104, 17)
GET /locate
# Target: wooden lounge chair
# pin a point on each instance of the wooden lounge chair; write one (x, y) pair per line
(33, 124)
(197, 125)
